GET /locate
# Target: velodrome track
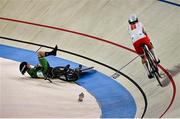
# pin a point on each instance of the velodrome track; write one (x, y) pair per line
(69, 24)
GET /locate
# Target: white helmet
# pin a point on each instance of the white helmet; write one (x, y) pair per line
(133, 18)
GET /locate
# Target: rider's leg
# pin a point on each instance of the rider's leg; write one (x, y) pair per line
(43, 61)
(44, 54)
(153, 52)
(41, 54)
(53, 52)
(147, 68)
(43, 64)
(140, 52)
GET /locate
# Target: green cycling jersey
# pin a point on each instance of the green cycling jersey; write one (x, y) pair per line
(37, 72)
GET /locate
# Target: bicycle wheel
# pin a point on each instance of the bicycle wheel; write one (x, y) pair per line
(153, 65)
(156, 73)
(72, 75)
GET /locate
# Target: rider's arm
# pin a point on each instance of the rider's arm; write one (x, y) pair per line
(144, 31)
(32, 72)
(38, 67)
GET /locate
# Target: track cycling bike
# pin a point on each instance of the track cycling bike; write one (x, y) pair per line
(152, 63)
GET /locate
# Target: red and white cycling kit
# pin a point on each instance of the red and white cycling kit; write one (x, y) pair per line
(138, 37)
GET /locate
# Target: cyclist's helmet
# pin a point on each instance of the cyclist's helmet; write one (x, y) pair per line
(132, 19)
(23, 67)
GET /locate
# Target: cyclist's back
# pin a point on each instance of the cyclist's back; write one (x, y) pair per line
(136, 31)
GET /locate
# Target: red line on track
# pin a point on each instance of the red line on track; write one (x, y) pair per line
(103, 40)
(174, 89)
(69, 31)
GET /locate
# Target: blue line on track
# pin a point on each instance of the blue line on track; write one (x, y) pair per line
(115, 101)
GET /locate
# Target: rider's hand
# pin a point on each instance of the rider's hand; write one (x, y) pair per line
(38, 67)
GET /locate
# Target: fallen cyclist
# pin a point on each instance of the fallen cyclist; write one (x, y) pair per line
(43, 70)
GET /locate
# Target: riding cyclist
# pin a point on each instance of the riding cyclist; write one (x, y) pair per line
(139, 37)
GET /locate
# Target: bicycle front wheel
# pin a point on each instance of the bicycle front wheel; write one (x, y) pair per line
(156, 74)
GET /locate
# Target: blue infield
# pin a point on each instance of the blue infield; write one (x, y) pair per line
(114, 100)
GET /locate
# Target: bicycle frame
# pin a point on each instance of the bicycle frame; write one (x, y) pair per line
(151, 60)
